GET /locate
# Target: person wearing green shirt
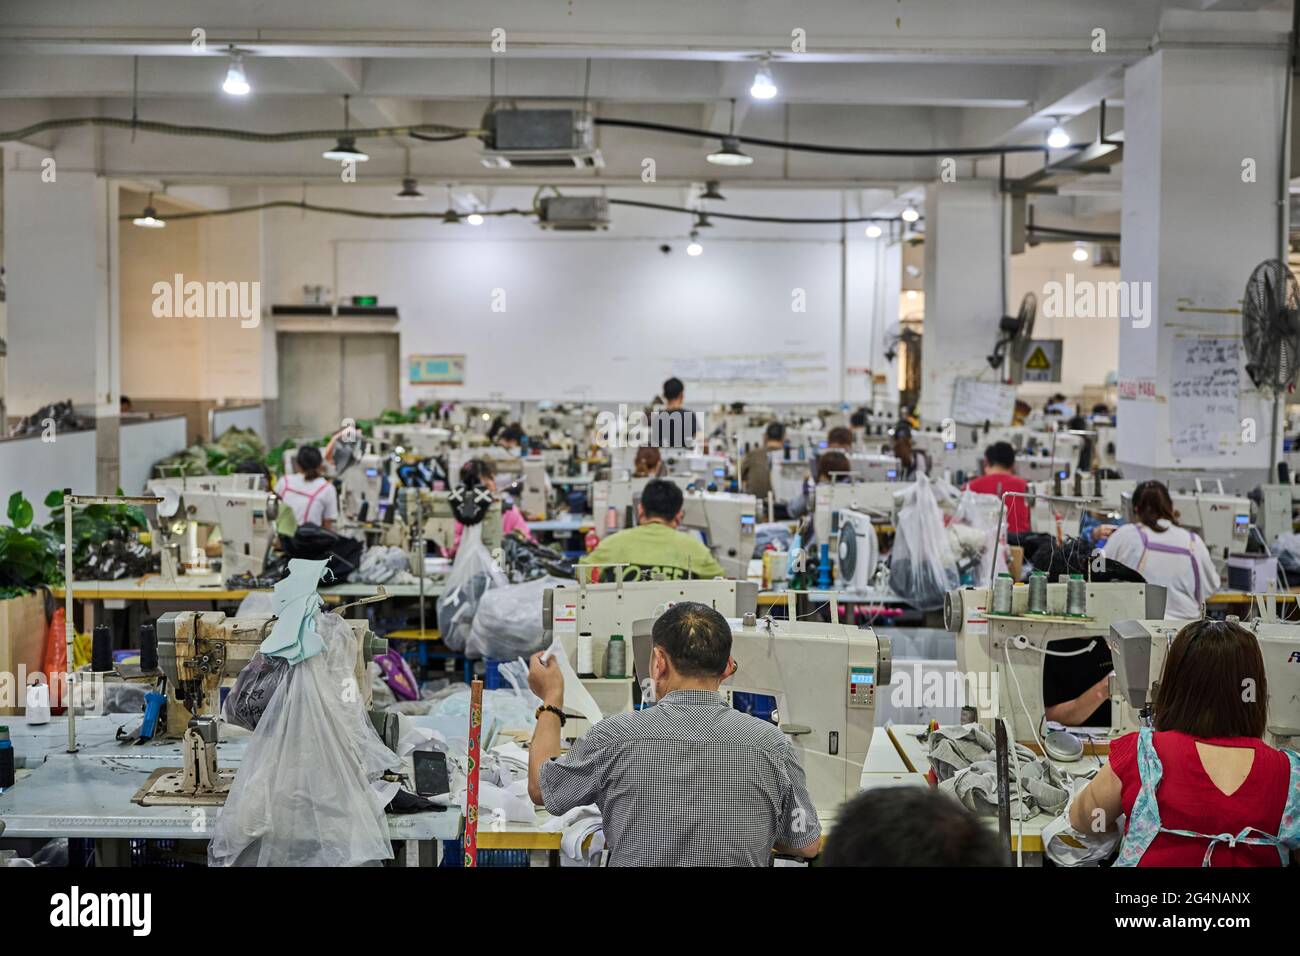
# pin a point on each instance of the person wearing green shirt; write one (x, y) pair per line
(655, 546)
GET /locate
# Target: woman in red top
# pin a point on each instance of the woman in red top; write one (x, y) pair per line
(1203, 788)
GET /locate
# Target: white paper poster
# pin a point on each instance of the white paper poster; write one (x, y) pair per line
(1205, 378)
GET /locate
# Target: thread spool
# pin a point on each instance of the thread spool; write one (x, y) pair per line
(616, 657)
(1037, 593)
(101, 649)
(148, 646)
(38, 704)
(1076, 596)
(1002, 594)
(586, 665)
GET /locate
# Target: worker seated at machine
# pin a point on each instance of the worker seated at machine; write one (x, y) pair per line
(999, 477)
(910, 460)
(1162, 552)
(756, 466)
(512, 438)
(689, 781)
(839, 438)
(655, 545)
(1200, 787)
(831, 466)
(482, 473)
(308, 494)
(910, 826)
(648, 463)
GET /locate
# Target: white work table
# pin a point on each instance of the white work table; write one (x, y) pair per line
(88, 794)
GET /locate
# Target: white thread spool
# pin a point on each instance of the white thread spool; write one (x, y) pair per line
(38, 704)
(586, 664)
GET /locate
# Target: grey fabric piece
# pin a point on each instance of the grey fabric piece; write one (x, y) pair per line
(964, 761)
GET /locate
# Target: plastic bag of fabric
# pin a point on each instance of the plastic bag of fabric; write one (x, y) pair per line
(1286, 546)
(974, 535)
(472, 573)
(253, 690)
(309, 790)
(922, 566)
(508, 621)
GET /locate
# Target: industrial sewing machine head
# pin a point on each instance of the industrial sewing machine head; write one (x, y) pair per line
(873, 498)
(824, 678)
(1221, 519)
(362, 487)
(197, 652)
(1004, 637)
(239, 505)
(729, 525)
(1139, 649)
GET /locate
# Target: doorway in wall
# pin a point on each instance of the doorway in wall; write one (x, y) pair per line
(326, 377)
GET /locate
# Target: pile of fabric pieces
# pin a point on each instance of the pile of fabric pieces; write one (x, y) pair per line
(964, 761)
(384, 565)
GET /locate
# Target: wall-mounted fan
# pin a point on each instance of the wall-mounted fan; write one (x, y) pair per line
(1270, 332)
(1014, 333)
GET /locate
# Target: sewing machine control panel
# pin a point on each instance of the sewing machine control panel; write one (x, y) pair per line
(862, 686)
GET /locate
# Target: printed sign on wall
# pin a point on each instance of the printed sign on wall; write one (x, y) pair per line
(437, 369)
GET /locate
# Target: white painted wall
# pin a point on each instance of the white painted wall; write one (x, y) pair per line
(1091, 346)
(602, 316)
(60, 278)
(37, 467)
(145, 442)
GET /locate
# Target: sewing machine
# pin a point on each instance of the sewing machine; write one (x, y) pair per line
(197, 652)
(237, 504)
(534, 490)
(729, 525)
(433, 510)
(1277, 510)
(873, 498)
(1001, 657)
(1139, 649)
(1070, 498)
(613, 501)
(824, 677)
(1222, 520)
(602, 610)
(362, 488)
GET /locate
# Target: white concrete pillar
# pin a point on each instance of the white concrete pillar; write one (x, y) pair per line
(61, 276)
(964, 271)
(1202, 162)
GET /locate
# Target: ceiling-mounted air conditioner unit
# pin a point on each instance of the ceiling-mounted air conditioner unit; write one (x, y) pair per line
(573, 213)
(539, 139)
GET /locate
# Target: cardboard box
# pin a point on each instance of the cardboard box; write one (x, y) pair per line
(22, 648)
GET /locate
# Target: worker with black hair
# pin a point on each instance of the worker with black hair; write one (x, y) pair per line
(655, 545)
(309, 494)
(756, 466)
(672, 425)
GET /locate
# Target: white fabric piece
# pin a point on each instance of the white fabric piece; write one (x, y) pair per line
(1066, 846)
(308, 791)
(575, 826)
(576, 697)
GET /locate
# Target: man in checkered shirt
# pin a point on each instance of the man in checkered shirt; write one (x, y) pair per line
(687, 782)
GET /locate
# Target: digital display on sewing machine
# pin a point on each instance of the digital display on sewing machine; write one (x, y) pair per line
(747, 521)
(891, 474)
(372, 472)
(1243, 520)
(719, 473)
(950, 445)
(1062, 475)
(862, 687)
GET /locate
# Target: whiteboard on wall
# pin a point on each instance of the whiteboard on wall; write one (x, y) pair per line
(610, 320)
(1205, 378)
(975, 402)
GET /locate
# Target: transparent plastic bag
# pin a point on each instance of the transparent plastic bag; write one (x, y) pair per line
(472, 573)
(922, 566)
(308, 790)
(508, 621)
(974, 534)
